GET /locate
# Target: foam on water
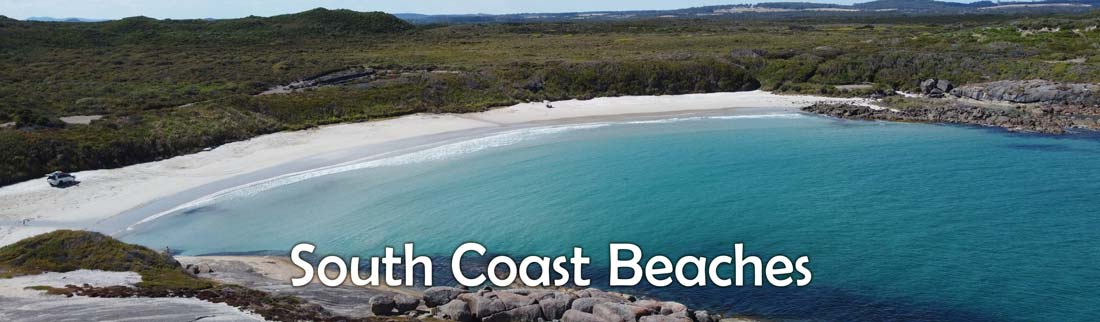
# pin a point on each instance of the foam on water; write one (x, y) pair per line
(431, 154)
(720, 117)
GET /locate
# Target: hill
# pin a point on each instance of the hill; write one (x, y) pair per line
(71, 19)
(780, 10)
(69, 250)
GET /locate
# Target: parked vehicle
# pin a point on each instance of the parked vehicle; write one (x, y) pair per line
(60, 179)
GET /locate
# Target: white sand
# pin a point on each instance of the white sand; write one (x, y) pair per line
(105, 193)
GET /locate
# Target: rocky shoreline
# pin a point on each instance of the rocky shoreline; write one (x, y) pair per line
(1018, 106)
(353, 303)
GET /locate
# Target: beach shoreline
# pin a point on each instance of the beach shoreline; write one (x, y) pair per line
(111, 199)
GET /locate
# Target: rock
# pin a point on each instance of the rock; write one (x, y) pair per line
(196, 269)
(663, 318)
(704, 316)
(529, 313)
(536, 294)
(616, 312)
(455, 310)
(927, 85)
(482, 306)
(1032, 91)
(578, 316)
(650, 304)
(944, 86)
(513, 300)
(553, 309)
(381, 305)
(936, 87)
(404, 303)
(591, 292)
(585, 304)
(439, 295)
(1030, 119)
(687, 314)
(672, 307)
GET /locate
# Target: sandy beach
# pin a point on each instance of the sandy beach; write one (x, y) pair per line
(33, 207)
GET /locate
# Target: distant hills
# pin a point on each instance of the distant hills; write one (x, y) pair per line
(780, 10)
(348, 19)
(320, 19)
(250, 30)
(316, 20)
(52, 19)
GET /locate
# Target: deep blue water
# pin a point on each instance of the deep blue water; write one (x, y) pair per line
(902, 222)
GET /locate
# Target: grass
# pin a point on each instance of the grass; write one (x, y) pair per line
(70, 250)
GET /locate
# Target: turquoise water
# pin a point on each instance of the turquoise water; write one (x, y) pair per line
(902, 222)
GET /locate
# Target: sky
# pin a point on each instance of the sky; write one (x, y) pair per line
(188, 9)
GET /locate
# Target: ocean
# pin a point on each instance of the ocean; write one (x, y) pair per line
(902, 222)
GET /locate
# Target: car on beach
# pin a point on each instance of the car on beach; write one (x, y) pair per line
(60, 179)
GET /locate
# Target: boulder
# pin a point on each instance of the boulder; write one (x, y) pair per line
(381, 305)
(617, 312)
(513, 300)
(482, 306)
(591, 292)
(650, 304)
(672, 307)
(663, 318)
(944, 86)
(669, 308)
(578, 316)
(456, 310)
(529, 313)
(536, 294)
(687, 314)
(927, 85)
(1032, 91)
(439, 295)
(704, 316)
(404, 303)
(553, 308)
(585, 304)
(936, 87)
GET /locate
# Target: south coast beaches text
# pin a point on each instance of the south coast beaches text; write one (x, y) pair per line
(627, 266)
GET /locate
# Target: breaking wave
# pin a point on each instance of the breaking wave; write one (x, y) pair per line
(437, 153)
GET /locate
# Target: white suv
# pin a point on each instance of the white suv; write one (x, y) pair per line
(60, 179)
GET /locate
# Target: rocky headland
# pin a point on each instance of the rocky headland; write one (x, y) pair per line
(269, 274)
(99, 278)
(1019, 106)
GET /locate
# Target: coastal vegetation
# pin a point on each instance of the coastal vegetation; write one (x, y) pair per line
(170, 87)
(162, 276)
(69, 250)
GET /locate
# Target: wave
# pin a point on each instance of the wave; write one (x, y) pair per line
(722, 117)
(437, 153)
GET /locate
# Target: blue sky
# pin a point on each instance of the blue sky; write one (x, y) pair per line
(181, 9)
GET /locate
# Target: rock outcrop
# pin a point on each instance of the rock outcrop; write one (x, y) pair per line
(588, 305)
(1050, 120)
(936, 87)
(1033, 92)
(382, 305)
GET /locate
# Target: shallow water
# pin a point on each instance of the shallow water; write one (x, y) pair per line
(902, 222)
